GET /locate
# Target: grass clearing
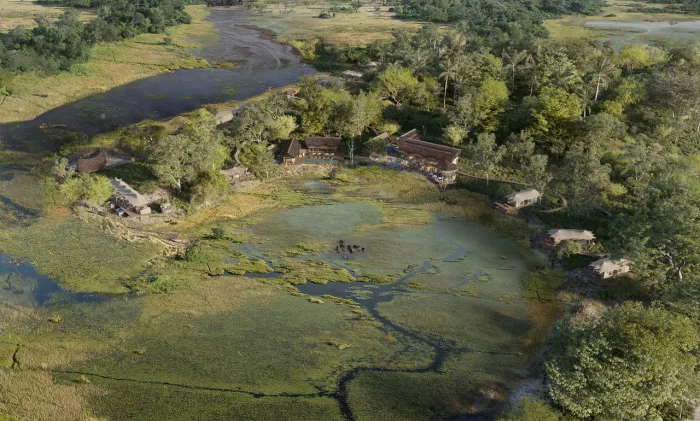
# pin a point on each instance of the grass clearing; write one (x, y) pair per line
(111, 65)
(14, 13)
(346, 29)
(78, 254)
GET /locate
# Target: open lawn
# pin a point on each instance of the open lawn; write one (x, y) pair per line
(346, 29)
(14, 13)
(574, 26)
(110, 65)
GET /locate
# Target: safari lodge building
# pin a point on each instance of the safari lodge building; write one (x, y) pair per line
(523, 198)
(556, 236)
(129, 199)
(409, 151)
(318, 151)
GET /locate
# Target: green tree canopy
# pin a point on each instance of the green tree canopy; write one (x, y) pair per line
(630, 364)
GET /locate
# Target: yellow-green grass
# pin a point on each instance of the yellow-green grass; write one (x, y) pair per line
(154, 402)
(346, 29)
(574, 26)
(33, 395)
(14, 13)
(470, 383)
(78, 254)
(110, 65)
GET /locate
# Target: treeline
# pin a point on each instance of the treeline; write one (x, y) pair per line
(484, 15)
(213, 3)
(672, 6)
(53, 46)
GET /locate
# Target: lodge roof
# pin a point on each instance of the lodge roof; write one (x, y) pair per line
(607, 264)
(410, 143)
(125, 191)
(568, 234)
(527, 194)
(291, 148)
(319, 142)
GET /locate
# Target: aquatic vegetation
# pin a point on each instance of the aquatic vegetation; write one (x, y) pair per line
(308, 248)
(78, 254)
(297, 272)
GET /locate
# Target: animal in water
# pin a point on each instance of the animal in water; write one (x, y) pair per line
(364, 249)
(350, 249)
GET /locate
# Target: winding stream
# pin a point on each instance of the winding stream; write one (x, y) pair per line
(262, 64)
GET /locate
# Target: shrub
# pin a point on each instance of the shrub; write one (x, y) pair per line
(91, 189)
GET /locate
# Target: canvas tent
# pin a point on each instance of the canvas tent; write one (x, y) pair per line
(523, 198)
(607, 267)
(584, 237)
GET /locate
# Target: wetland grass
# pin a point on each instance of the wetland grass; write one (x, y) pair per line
(78, 254)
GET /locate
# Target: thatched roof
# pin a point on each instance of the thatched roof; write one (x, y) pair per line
(91, 160)
(126, 192)
(322, 142)
(410, 143)
(527, 194)
(607, 265)
(291, 148)
(566, 234)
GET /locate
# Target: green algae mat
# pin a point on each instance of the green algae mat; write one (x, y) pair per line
(343, 302)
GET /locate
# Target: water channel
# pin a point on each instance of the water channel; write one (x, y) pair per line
(261, 65)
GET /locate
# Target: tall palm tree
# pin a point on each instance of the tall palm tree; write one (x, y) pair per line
(585, 93)
(448, 71)
(418, 60)
(513, 59)
(602, 71)
(533, 67)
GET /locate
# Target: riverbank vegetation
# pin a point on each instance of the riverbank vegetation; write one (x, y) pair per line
(37, 79)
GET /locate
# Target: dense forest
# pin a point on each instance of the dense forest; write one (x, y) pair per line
(54, 46)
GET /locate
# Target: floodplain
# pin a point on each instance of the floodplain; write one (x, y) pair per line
(337, 298)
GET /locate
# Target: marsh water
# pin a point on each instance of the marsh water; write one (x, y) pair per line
(621, 33)
(447, 321)
(261, 64)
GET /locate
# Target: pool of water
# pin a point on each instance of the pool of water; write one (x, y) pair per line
(21, 284)
(621, 33)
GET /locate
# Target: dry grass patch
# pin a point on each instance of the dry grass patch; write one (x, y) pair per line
(33, 395)
(14, 13)
(346, 29)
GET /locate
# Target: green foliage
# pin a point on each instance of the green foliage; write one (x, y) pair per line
(631, 363)
(531, 409)
(260, 159)
(64, 45)
(91, 189)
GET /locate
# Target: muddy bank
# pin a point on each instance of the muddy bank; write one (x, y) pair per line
(262, 64)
